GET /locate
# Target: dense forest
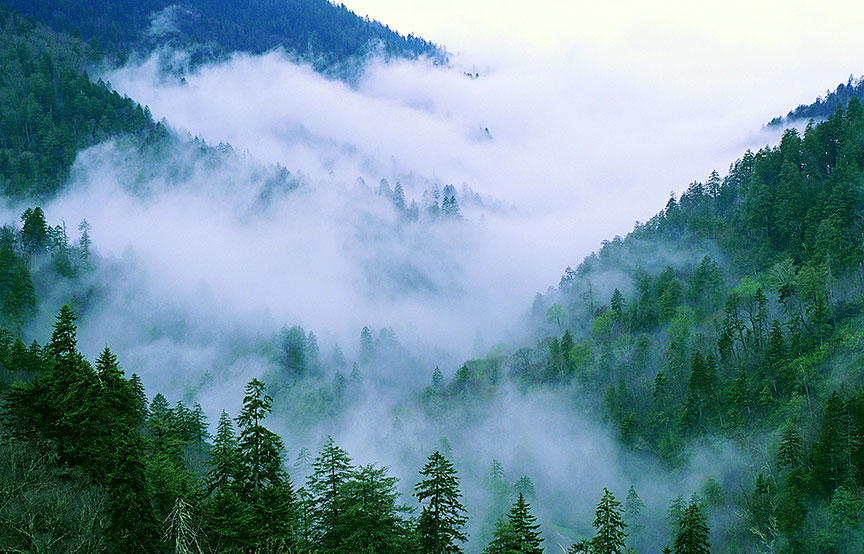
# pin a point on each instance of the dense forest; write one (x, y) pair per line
(735, 316)
(316, 30)
(50, 109)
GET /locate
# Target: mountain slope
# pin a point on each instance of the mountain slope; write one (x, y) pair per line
(824, 106)
(50, 109)
(313, 29)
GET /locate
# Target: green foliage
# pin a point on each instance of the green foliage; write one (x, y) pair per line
(316, 30)
(519, 535)
(332, 471)
(610, 526)
(50, 110)
(440, 525)
(693, 533)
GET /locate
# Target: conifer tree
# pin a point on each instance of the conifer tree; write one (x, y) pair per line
(500, 543)
(266, 487)
(791, 449)
(693, 534)
(526, 487)
(442, 519)
(332, 470)
(610, 526)
(373, 522)
(223, 455)
(259, 448)
(524, 534)
(132, 526)
(633, 507)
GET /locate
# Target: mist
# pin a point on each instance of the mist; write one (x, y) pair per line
(208, 252)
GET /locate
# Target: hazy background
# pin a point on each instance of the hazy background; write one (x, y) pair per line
(594, 114)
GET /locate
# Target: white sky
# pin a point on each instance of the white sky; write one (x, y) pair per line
(776, 53)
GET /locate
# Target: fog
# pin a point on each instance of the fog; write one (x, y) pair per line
(570, 158)
(205, 255)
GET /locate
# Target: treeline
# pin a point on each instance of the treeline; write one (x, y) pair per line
(50, 109)
(317, 30)
(104, 470)
(823, 107)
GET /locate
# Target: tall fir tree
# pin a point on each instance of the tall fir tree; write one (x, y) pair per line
(693, 535)
(610, 526)
(331, 472)
(439, 527)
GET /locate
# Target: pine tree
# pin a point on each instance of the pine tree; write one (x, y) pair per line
(610, 526)
(633, 507)
(500, 543)
(303, 462)
(132, 526)
(266, 487)
(141, 395)
(224, 456)
(526, 487)
(84, 242)
(367, 347)
(495, 484)
(34, 232)
(332, 470)
(442, 519)
(260, 449)
(437, 379)
(399, 197)
(523, 529)
(618, 305)
(693, 534)
(791, 449)
(372, 513)
(180, 529)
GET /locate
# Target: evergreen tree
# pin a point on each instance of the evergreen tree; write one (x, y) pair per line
(693, 534)
(367, 346)
(332, 470)
(34, 232)
(791, 449)
(524, 535)
(442, 519)
(260, 450)
(525, 487)
(84, 242)
(633, 508)
(610, 526)
(373, 522)
(132, 526)
(399, 197)
(224, 456)
(266, 486)
(500, 543)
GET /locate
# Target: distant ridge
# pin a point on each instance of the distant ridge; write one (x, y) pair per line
(823, 107)
(316, 30)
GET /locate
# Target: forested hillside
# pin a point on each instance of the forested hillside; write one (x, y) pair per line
(735, 312)
(316, 30)
(823, 107)
(731, 322)
(50, 109)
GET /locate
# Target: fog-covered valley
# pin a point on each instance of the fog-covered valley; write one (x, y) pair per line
(385, 252)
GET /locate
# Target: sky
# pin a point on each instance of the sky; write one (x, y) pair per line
(774, 53)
